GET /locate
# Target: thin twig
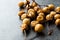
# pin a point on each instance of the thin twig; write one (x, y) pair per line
(50, 31)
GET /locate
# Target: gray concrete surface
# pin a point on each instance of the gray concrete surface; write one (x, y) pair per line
(9, 21)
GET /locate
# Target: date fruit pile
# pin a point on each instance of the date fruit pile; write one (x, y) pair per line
(34, 15)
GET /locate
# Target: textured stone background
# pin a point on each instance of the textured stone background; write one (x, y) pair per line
(9, 21)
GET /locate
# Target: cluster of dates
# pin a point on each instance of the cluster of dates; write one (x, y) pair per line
(32, 14)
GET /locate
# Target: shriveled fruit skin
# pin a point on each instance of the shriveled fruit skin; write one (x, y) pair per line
(33, 23)
(24, 27)
(41, 14)
(23, 16)
(26, 21)
(31, 10)
(39, 11)
(20, 13)
(33, 4)
(57, 16)
(57, 9)
(36, 8)
(40, 18)
(57, 22)
(51, 6)
(39, 27)
(48, 17)
(20, 4)
(46, 10)
(31, 13)
(53, 13)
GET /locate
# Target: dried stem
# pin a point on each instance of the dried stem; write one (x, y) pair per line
(50, 31)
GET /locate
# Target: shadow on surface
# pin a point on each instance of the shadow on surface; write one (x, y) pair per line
(58, 27)
(41, 34)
